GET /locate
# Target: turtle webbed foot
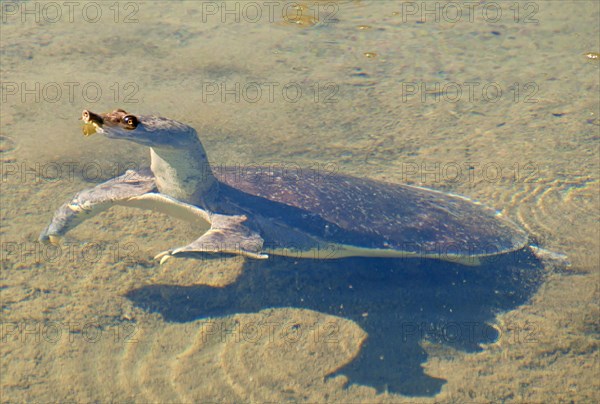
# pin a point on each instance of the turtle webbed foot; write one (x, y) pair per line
(227, 235)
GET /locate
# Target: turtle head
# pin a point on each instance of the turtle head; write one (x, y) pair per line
(147, 130)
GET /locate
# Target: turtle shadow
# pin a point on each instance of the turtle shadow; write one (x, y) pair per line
(398, 302)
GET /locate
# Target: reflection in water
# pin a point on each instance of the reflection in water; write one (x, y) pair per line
(399, 303)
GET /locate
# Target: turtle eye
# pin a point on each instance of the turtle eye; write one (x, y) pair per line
(131, 121)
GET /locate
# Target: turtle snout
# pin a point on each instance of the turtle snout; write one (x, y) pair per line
(90, 117)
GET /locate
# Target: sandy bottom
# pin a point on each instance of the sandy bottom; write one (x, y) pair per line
(98, 320)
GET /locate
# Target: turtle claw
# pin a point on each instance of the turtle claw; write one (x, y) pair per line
(163, 256)
(50, 239)
(164, 259)
(54, 240)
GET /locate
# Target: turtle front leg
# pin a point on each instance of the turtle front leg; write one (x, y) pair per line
(226, 234)
(90, 202)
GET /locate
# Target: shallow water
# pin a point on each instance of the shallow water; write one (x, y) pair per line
(502, 108)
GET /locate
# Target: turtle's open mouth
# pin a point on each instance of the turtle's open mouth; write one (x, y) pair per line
(91, 121)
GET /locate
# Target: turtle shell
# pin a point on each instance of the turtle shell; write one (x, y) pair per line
(369, 214)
